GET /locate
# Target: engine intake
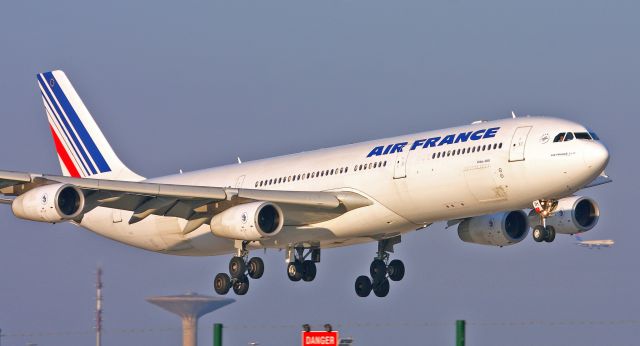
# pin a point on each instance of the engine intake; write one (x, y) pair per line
(500, 229)
(572, 215)
(49, 203)
(250, 221)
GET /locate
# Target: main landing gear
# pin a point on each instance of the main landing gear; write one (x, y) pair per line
(299, 267)
(543, 232)
(381, 271)
(240, 270)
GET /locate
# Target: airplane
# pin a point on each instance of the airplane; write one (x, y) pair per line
(481, 177)
(598, 244)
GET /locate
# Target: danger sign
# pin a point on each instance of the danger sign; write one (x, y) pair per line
(319, 338)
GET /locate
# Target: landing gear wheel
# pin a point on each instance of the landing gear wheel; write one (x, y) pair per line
(363, 286)
(378, 269)
(241, 286)
(294, 271)
(255, 268)
(222, 283)
(381, 289)
(396, 270)
(308, 270)
(539, 233)
(237, 267)
(550, 234)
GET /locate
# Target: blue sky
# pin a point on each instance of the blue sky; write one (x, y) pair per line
(194, 84)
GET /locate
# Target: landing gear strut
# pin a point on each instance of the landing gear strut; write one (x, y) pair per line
(542, 232)
(381, 271)
(241, 268)
(299, 267)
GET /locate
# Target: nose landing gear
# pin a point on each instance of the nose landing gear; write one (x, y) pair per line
(240, 270)
(381, 271)
(543, 232)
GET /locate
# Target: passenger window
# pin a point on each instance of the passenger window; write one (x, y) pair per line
(500, 146)
(495, 146)
(385, 164)
(568, 137)
(559, 137)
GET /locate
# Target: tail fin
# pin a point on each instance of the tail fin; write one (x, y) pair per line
(82, 149)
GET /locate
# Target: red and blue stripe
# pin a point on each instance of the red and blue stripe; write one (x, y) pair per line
(72, 128)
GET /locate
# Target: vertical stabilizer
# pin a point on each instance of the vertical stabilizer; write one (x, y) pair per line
(82, 149)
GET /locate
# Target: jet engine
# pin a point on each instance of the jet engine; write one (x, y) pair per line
(250, 221)
(572, 215)
(504, 228)
(49, 203)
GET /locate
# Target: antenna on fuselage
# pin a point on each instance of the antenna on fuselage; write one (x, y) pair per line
(513, 114)
(239, 161)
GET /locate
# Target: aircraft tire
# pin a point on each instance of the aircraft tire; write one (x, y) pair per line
(222, 284)
(241, 285)
(550, 234)
(294, 271)
(538, 233)
(382, 288)
(255, 267)
(308, 270)
(378, 269)
(237, 267)
(363, 286)
(396, 270)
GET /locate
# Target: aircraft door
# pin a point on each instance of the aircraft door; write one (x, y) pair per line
(400, 166)
(518, 142)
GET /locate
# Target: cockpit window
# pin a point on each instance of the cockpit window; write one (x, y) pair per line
(594, 136)
(559, 137)
(568, 137)
(583, 135)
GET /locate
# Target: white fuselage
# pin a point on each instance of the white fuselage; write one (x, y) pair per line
(409, 187)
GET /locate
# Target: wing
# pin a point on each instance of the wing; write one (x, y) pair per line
(603, 178)
(197, 204)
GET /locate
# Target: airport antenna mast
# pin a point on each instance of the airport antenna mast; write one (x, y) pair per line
(99, 307)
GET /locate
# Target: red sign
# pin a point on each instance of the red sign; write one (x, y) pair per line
(319, 338)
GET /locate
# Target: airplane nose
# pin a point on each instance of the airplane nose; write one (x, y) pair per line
(596, 156)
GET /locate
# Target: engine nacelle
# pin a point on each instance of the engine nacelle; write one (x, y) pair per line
(49, 203)
(572, 215)
(505, 228)
(250, 221)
